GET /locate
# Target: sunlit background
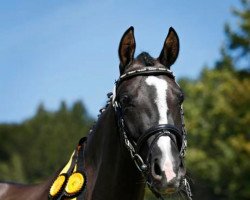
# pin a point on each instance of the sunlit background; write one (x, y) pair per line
(67, 50)
(59, 59)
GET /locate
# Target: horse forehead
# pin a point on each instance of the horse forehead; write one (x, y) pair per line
(160, 86)
(158, 83)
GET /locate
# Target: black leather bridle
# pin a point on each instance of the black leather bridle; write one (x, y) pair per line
(176, 135)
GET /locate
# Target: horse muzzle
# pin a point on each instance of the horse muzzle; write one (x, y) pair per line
(165, 165)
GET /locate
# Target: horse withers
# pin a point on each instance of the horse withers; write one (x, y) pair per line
(138, 139)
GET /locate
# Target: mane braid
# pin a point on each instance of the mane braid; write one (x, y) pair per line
(101, 111)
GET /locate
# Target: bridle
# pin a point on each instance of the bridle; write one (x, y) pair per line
(157, 131)
(176, 135)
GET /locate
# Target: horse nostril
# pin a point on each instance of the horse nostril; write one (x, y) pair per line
(157, 168)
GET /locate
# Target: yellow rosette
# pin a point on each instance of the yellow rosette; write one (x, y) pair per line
(75, 184)
(57, 186)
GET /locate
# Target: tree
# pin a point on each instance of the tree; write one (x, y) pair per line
(238, 41)
(219, 142)
(38, 147)
(218, 118)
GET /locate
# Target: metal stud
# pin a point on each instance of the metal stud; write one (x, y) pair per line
(144, 167)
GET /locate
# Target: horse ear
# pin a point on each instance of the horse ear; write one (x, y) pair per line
(170, 49)
(127, 48)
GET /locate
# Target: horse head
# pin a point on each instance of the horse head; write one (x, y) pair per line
(148, 102)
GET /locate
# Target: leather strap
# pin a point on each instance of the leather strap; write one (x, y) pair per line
(166, 129)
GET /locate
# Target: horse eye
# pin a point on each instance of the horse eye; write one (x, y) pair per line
(125, 100)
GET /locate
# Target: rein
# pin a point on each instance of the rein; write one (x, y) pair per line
(177, 136)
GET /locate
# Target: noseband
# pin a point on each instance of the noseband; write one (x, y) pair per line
(176, 135)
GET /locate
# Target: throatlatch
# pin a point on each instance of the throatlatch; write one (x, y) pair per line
(71, 181)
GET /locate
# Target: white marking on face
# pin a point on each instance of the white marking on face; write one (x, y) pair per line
(161, 87)
(164, 142)
(166, 162)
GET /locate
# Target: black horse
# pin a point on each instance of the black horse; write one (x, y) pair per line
(139, 137)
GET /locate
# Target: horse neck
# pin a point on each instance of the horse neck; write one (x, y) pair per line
(112, 173)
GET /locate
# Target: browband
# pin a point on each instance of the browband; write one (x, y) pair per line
(145, 71)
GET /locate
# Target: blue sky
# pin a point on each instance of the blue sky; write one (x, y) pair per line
(54, 50)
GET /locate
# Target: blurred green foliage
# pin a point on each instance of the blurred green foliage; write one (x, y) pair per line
(217, 117)
(38, 147)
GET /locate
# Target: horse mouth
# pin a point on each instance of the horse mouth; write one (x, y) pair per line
(166, 191)
(160, 182)
(170, 191)
(164, 188)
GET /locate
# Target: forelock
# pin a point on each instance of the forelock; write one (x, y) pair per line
(145, 59)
